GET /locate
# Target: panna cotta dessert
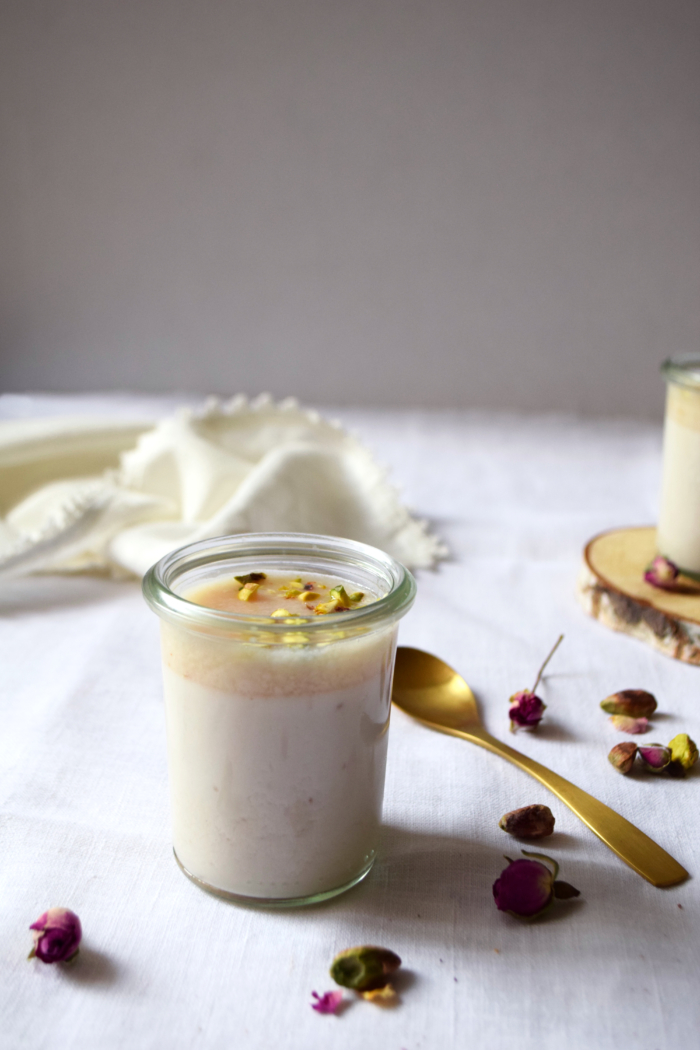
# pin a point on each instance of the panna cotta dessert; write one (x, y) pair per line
(678, 535)
(278, 656)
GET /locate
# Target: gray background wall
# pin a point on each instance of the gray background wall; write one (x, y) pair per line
(437, 202)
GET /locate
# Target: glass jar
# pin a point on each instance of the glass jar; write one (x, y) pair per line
(678, 536)
(277, 732)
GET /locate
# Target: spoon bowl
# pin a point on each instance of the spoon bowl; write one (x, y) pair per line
(428, 689)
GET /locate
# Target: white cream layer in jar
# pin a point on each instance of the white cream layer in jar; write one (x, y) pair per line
(276, 759)
(679, 519)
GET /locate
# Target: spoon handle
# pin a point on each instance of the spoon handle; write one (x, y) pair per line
(631, 845)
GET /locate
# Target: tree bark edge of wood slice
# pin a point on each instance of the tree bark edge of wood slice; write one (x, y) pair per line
(612, 589)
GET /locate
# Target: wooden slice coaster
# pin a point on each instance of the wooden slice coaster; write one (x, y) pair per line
(611, 588)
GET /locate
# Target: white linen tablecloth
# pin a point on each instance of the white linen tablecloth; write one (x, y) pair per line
(84, 807)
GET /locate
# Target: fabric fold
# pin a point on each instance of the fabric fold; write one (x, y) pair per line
(237, 467)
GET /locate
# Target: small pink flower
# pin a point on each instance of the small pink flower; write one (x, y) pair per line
(525, 710)
(634, 726)
(57, 934)
(327, 1003)
(662, 573)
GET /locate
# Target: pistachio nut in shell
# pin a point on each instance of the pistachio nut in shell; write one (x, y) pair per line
(528, 822)
(364, 967)
(635, 703)
(622, 756)
(684, 754)
(655, 757)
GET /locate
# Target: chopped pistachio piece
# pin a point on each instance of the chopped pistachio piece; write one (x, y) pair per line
(328, 607)
(345, 600)
(247, 591)
(280, 614)
(251, 577)
(309, 596)
(385, 996)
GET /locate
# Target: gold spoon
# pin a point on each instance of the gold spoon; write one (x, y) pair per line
(428, 689)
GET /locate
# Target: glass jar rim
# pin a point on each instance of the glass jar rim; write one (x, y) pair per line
(168, 604)
(683, 369)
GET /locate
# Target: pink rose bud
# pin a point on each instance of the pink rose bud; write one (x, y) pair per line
(527, 888)
(662, 573)
(525, 710)
(655, 757)
(57, 934)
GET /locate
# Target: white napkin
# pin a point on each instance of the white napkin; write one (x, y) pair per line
(237, 467)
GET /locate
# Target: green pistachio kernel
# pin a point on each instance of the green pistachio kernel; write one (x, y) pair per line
(345, 600)
(248, 591)
(684, 754)
(364, 968)
(251, 577)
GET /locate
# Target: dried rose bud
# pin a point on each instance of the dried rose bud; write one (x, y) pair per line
(527, 888)
(655, 757)
(635, 703)
(622, 757)
(364, 968)
(57, 934)
(684, 755)
(529, 822)
(525, 710)
(327, 1003)
(662, 573)
(633, 726)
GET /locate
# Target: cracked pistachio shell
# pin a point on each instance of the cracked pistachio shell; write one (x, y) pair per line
(364, 967)
(684, 754)
(655, 757)
(633, 726)
(622, 756)
(528, 822)
(635, 703)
